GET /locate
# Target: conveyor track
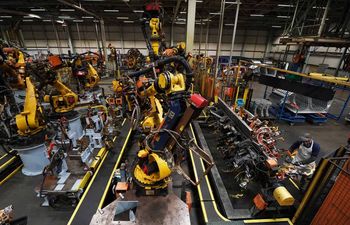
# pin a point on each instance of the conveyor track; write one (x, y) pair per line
(89, 203)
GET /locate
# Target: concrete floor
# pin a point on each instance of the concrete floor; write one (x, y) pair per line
(19, 190)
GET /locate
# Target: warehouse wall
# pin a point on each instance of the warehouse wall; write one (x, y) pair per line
(318, 55)
(37, 37)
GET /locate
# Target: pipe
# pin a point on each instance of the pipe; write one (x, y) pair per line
(218, 47)
(159, 63)
(323, 21)
(103, 37)
(234, 32)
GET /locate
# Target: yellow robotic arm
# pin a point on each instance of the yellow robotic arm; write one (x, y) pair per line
(65, 101)
(30, 120)
(92, 77)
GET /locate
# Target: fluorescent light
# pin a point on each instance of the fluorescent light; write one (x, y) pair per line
(27, 17)
(87, 17)
(180, 19)
(64, 17)
(5, 16)
(34, 16)
(257, 15)
(67, 10)
(276, 26)
(122, 17)
(215, 13)
(232, 3)
(183, 12)
(60, 21)
(285, 17)
(27, 20)
(38, 10)
(128, 21)
(78, 21)
(3, 20)
(199, 1)
(284, 5)
(206, 20)
(138, 11)
(229, 24)
(46, 20)
(318, 7)
(111, 10)
(180, 23)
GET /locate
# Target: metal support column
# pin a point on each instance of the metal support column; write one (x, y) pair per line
(58, 41)
(341, 61)
(234, 33)
(97, 37)
(323, 21)
(206, 39)
(306, 59)
(70, 42)
(294, 16)
(122, 39)
(172, 34)
(218, 47)
(200, 38)
(191, 18)
(103, 37)
(21, 37)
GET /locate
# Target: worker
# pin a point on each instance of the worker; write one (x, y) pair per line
(307, 150)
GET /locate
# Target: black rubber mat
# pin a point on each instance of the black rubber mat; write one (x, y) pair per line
(88, 207)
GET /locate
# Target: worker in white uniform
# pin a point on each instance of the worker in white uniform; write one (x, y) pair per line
(305, 150)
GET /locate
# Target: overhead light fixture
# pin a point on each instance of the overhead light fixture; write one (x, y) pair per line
(138, 11)
(34, 16)
(128, 21)
(78, 21)
(229, 24)
(215, 13)
(27, 17)
(285, 17)
(5, 16)
(257, 15)
(206, 20)
(181, 19)
(111, 10)
(38, 10)
(318, 7)
(276, 26)
(87, 17)
(60, 21)
(3, 20)
(67, 10)
(46, 20)
(232, 3)
(95, 21)
(199, 1)
(27, 20)
(65, 17)
(122, 17)
(284, 5)
(182, 23)
(183, 12)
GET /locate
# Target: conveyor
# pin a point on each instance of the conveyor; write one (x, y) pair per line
(212, 212)
(9, 165)
(89, 203)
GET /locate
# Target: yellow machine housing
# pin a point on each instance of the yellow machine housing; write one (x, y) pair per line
(92, 77)
(171, 83)
(283, 197)
(155, 27)
(30, 120)
(65, 101)
(163, 173)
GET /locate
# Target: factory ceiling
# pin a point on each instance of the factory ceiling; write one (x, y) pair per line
(253, 14)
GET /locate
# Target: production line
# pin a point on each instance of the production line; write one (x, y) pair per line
(167, 137)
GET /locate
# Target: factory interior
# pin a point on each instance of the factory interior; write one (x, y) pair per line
(174, 112)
